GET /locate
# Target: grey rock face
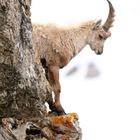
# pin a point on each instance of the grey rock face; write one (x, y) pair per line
(23, 86)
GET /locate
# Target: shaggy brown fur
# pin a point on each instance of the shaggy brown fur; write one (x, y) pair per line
(55, 46)
(60, 44)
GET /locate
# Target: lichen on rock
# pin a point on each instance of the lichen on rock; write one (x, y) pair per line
(64, 127)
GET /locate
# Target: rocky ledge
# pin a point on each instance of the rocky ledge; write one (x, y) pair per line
(53, 127)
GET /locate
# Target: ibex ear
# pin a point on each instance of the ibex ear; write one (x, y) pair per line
(97, 24)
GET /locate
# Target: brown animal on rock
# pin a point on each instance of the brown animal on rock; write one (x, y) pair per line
(55, 46)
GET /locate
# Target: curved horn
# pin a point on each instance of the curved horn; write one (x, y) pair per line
(110, 18)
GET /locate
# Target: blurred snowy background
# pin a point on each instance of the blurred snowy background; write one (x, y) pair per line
(108, 103)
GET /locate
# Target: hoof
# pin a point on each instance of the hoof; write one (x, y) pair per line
(56, 109)
(61, 113)
(57, 113)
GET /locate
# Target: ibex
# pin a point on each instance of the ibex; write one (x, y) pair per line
(55, 46)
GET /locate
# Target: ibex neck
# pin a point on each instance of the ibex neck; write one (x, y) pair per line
(79, 40)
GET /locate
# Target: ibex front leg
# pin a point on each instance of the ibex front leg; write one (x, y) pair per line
(53, 78)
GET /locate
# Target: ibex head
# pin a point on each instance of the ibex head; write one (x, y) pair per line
(100, 32)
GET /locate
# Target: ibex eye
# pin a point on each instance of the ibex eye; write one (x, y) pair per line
(100, 37)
